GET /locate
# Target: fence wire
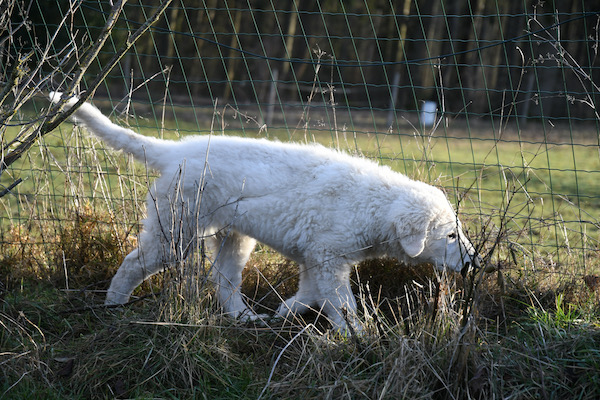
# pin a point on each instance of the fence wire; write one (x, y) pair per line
(495, 101)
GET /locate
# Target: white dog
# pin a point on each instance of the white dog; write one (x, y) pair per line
(324, 209)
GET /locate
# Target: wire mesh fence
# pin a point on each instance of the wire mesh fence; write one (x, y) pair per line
(493, 101)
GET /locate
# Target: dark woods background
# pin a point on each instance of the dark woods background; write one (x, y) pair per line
(477, 57)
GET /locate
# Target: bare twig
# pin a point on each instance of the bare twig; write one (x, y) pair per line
(10, 187)
(56, 115)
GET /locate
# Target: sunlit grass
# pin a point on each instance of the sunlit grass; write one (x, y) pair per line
(533, 331)
(542, 183)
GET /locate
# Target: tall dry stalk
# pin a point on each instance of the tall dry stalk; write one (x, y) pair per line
(26, 80)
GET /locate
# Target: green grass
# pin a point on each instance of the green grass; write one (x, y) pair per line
(544, 193)
(533, 330)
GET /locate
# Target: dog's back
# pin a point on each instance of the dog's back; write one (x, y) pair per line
(281, 164)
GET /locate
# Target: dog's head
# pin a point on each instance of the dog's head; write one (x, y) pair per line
(430, 232)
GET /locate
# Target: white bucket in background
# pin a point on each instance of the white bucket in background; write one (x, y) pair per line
(428, 113)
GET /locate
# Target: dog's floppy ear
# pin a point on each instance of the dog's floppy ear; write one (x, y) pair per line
(414, 243)
(411, 225)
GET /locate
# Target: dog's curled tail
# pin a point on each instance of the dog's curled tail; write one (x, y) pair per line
(143, 148)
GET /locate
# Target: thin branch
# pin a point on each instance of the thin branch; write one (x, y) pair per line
(56, 113)
(11, 187)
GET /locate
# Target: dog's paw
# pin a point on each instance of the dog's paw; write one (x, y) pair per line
(250, 316)
(283, 311)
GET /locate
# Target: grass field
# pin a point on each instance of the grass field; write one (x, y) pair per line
(531, 329)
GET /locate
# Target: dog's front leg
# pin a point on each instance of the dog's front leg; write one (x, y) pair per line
(340, 307)
(332, 281)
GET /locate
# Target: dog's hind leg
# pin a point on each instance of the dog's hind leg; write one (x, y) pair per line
(139, 265)
(231, 252)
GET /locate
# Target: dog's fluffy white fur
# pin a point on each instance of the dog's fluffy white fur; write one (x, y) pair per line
(322, 208)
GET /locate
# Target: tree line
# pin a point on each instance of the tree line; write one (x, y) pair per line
(534, 59)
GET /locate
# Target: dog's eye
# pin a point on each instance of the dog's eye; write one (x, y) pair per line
(452, 236)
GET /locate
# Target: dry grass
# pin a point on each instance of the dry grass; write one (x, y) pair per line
(531, 329)
(75, 252)
(426, 337)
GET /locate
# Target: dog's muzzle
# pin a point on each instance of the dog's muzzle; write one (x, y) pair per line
(473, 263)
